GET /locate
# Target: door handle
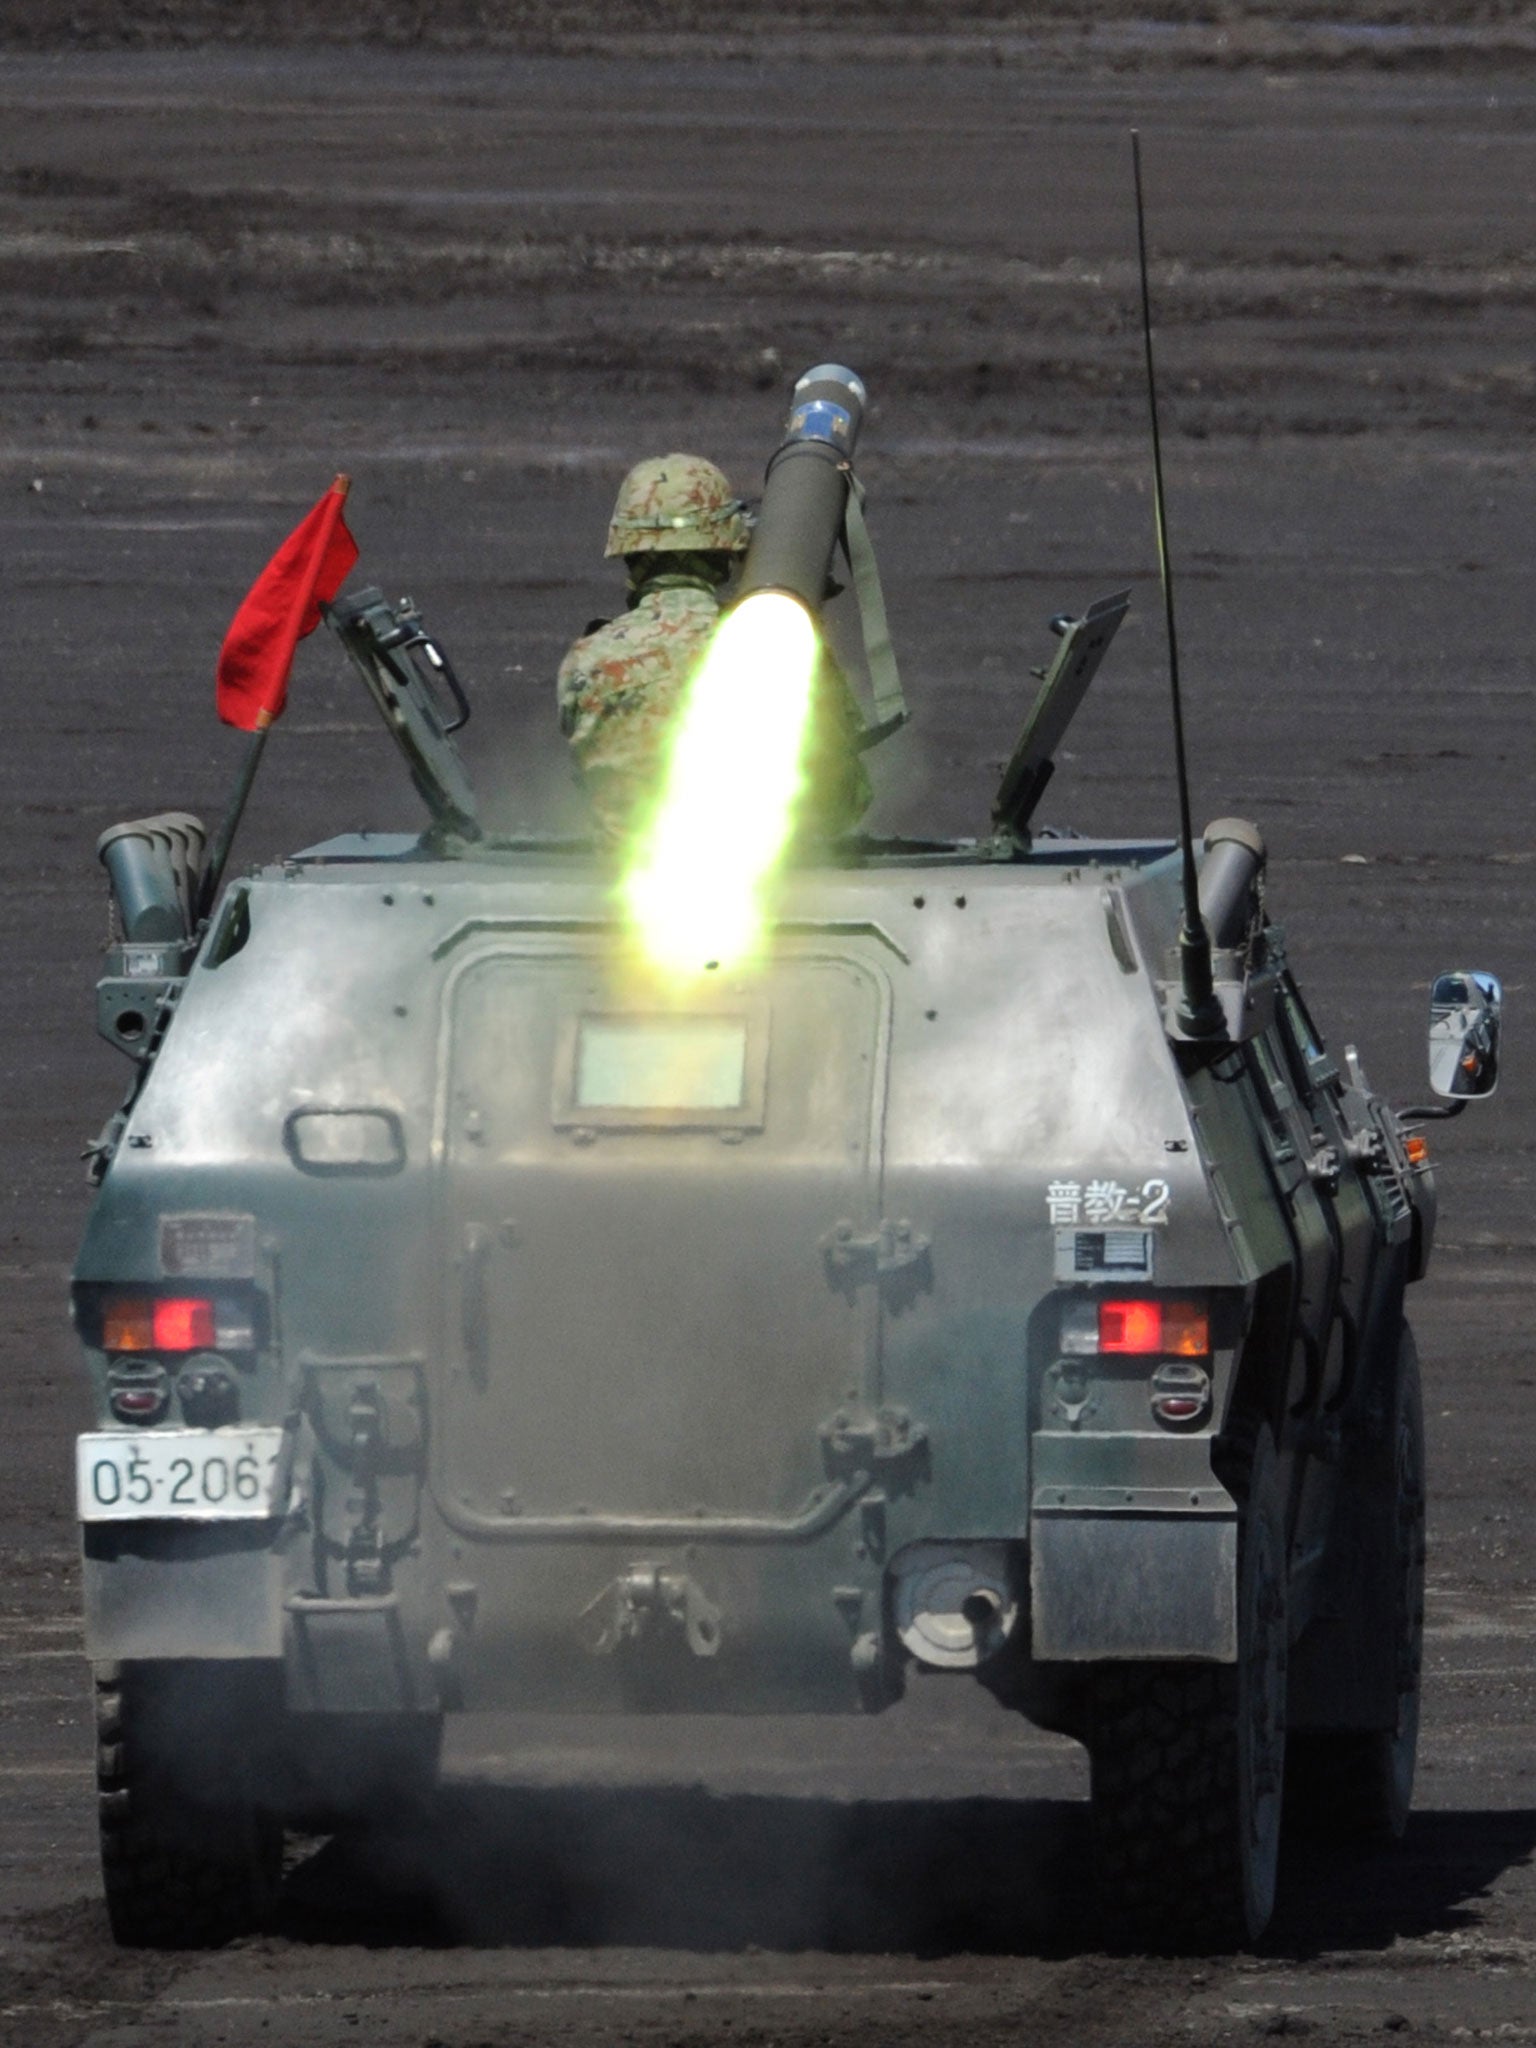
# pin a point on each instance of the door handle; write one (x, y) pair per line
(474, 1306)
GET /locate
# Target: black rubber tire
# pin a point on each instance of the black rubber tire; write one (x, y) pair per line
(1188, 1760)
(189, 1858)
(1357, 1784)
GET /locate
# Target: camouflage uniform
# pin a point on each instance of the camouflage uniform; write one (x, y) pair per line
(619, 690)
(621, 685)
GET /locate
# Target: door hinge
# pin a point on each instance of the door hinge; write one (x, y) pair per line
(886, 1446)
(891, 1251)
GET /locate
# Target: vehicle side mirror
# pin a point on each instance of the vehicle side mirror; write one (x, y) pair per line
(1464, 1033)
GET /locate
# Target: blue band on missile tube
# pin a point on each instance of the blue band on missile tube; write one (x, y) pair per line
(821, 420)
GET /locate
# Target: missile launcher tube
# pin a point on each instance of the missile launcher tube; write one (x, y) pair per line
(805, 490)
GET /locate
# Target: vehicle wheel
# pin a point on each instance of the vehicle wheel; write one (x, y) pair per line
(1188, 1760)
(1357, 1784)
(189, 1858)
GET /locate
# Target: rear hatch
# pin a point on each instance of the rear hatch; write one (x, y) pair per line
(642, 1325)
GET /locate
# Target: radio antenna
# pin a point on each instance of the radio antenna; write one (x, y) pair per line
(1200, 1013)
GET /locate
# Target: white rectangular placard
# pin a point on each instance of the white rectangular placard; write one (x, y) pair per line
(181, 1475)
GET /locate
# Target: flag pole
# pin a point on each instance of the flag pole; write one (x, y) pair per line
(224, 838)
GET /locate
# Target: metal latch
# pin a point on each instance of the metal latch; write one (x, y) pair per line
(1368, 1149)
(1324, 1169)
(365, 1420)
(366, 1564)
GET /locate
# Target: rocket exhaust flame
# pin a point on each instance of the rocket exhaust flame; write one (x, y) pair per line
(694, 893)
(727, 811)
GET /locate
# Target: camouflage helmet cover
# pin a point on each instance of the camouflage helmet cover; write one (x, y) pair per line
(674, 504)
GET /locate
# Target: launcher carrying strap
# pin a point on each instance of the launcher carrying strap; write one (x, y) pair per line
(891, 712)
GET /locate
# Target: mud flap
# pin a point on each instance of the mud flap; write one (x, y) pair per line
(164, 1590)
(1107, 1586)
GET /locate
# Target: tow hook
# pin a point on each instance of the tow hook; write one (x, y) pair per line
(648, 1602)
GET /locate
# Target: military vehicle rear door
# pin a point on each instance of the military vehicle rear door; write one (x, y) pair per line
(640, 1326)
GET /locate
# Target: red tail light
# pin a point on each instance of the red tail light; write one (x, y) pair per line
(136, 1322)
(1178, 1329)
(1130, 1326)
(183, 1325)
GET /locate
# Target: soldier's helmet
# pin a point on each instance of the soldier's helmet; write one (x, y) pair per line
(675, 504)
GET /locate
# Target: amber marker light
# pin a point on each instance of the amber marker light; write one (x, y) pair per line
(1417, 1150)
(1186, 1329)
(127, 1323)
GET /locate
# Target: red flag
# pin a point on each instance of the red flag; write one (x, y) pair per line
(282, 605)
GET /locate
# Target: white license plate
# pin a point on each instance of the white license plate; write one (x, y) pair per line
(186, 1475)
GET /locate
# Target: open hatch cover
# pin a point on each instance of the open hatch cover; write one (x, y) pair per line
(1084, 643)
(422, 702)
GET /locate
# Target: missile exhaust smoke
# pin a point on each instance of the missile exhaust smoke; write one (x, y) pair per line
(696, 892)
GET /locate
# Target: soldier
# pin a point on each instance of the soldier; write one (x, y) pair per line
(679, 527)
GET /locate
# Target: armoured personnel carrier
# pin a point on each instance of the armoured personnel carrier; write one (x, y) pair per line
(945, 1291)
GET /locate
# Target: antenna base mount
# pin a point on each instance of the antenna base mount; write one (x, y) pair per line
(1200, 1013)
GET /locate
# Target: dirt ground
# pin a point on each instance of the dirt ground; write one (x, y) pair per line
(483, 259)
